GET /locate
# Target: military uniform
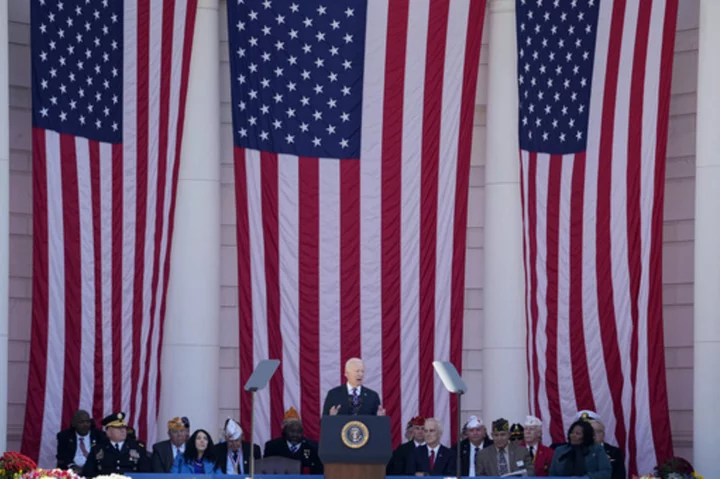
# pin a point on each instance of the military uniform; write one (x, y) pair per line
(105, 458)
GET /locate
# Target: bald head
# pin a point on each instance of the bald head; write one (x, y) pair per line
(81, 422)
(355, 371)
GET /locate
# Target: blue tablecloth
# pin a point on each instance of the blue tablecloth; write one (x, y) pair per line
(247, 476)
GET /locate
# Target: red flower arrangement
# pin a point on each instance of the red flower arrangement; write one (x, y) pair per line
(49, 474)
(13, 464)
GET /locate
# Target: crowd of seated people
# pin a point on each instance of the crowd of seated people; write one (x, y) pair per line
(515, 448)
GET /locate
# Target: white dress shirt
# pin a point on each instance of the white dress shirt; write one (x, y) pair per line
(474, 451)
(117, 445)
(177, 450)
(80, 459)
(350, 389)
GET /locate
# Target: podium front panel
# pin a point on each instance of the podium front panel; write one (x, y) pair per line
(355, 440)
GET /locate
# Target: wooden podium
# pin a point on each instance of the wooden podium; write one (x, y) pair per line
(355, 447)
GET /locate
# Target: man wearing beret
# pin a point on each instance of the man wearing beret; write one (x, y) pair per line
(476, 441)
(503, 457)
(294, 445)
(165, 452)
(119, 454)
(405, 452)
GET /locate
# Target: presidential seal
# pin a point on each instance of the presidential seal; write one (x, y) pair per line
(355, 434)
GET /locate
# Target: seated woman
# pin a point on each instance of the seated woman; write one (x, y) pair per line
(199, 455)
(581, 457)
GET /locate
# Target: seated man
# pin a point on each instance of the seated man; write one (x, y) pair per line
(542, 455)
(165, 452)
(233, 456)
(293, 445)
(119, 454)
(74, 444)
(503, 457)
(432, 459)
(476, 441)
(406, 452)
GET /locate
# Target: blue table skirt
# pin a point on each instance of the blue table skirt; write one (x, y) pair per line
(258, 476)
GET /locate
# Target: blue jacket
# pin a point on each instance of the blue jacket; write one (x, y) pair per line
(597, 464)
(181, 466)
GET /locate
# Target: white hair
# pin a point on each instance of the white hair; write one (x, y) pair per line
(437, 423)
(351, 361)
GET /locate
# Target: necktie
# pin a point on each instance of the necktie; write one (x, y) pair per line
(236, 465)
(117, 446)
(432, 459)
(294, 449)
(82, 447)
(502, 463)
(355, 401)
(532, 452)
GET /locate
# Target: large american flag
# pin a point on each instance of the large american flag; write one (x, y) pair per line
(594, 83)
(109, 80)
(352, 127)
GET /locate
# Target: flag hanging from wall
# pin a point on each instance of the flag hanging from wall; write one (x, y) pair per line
(352, 126)
(594, 84)
(109, 79)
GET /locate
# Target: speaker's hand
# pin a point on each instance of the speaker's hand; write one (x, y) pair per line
(334, 410)
(381, 411)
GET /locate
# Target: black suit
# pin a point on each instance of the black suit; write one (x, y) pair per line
(105, 459)
(444, 462)
(67, 445)
(162, 457)
(221, 453)
(307, 453)
(368, 404)
(616, 461)
(465, 453)
(401, 456)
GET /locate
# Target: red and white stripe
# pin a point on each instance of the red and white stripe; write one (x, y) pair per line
(102, 223)
(366, 258)
(593, 236)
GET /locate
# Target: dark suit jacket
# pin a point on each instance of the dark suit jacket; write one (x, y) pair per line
(444, 462)
(404, 453)
(615, 456)
(67, 445)
(162, 457)
(307, 454)
(369, 401)
(221, 452)
(465, 453)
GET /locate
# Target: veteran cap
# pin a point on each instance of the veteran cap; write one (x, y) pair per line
(532, 421)
(500, 425)
(473, 422)
(291, 414)
(115, 420)
(418, 421)
(178, 423)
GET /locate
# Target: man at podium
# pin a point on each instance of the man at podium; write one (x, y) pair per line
(352, 398)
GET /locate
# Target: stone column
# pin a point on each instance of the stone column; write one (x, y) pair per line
(190, 362)
(504, 364)
(707, 238)
(4, 219)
